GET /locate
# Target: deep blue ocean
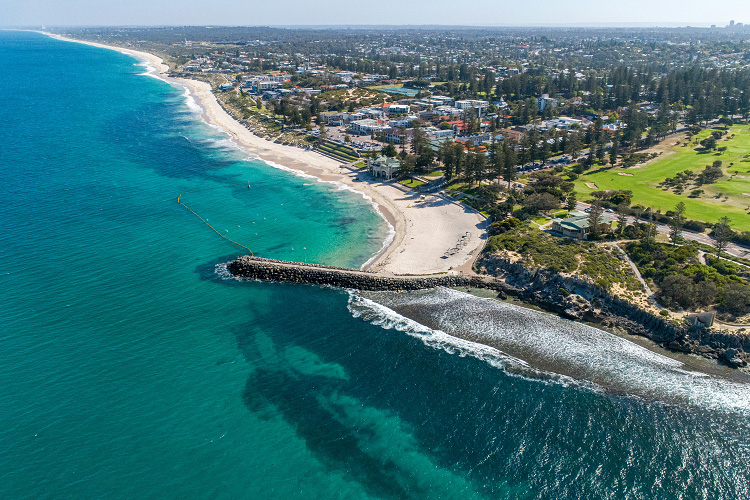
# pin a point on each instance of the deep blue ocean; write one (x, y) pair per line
(132, 366)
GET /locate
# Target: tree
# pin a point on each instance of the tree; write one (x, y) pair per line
(447, 155)
(650, 234)
(622, 217)
(722, 234)
(420, 146)
(678, 290)
(475, 163)
(497, 160)
(736, 298)
(705, 293)
(389, 150)
(726, 121)
(509, 169)
(571, 202)
(596, 213)
(419, 139)
(573, 145)
(459, 158)
(614, 151)
(675, 225)
(323, 134)
(709, 142)
(407, 166)
(541, 202)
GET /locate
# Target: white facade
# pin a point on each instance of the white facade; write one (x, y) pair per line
(545, 101)
(368, 126)
(398, 109)
(471, 103)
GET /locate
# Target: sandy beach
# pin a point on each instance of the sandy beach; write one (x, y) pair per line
(431, 234)
(155, 61)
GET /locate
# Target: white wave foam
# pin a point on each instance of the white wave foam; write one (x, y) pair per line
(380, 315)
(190, 101)
(579, 351)
(151, 70)
(222, 271)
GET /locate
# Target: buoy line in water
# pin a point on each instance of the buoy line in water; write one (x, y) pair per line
(209, 225)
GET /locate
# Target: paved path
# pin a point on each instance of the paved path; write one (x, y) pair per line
(649, 292)
(731, 248)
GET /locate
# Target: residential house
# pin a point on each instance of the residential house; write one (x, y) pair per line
(399, 135)
(511, 135)
(475, 139)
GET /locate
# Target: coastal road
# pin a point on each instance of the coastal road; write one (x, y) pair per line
(731, 248)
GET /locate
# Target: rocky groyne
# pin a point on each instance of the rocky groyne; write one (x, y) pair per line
(295, 272)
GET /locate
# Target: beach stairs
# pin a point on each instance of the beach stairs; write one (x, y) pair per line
(338, 151)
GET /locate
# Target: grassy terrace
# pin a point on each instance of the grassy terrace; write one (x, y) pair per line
(391, 86)
(464, 187)
(723, 198)
(343, 153)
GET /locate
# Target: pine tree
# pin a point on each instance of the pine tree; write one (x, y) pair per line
(614, 150)
(722, 234)
(595, 219)
(509, 168)
(675, 225)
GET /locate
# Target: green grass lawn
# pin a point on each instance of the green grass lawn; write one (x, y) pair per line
(411, 182)
(392, 86)
(709, 208)
(463, 187)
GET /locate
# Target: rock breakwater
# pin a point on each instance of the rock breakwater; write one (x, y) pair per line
(295, 272)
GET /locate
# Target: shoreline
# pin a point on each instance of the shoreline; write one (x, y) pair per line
(422, 232)
(308, 163)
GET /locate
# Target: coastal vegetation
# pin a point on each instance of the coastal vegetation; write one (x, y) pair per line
(687, 279)
(602, 265)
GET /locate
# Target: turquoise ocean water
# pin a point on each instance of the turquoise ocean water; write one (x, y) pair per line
(131, 366)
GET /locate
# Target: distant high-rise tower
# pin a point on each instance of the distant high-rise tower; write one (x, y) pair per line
(731, 23)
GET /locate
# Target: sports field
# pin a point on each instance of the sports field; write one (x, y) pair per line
(729, 196)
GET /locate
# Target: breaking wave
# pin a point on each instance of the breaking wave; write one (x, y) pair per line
(536, 344)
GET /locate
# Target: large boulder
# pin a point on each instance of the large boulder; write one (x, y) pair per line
(732, 357)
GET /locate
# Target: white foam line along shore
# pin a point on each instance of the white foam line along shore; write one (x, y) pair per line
(433, 234)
